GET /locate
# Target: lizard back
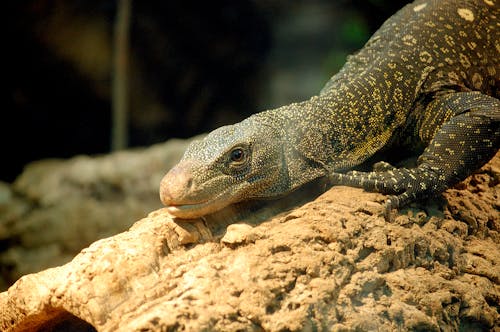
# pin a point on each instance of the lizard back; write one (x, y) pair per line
(428, 48)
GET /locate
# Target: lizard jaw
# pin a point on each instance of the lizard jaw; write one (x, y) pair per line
(187, 211)
(197, 210)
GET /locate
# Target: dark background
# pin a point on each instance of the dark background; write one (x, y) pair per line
(194, 66)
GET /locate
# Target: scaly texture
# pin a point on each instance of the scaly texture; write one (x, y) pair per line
(426, 83)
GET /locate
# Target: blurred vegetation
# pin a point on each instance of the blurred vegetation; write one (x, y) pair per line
(353, 32)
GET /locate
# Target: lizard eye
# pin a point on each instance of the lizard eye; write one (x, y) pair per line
(237, 155)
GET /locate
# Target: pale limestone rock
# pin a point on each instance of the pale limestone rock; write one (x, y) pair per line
(332, 264)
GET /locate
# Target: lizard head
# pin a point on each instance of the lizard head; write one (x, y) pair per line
(231, 164)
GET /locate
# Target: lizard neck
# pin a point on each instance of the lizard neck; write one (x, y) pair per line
(335, 131)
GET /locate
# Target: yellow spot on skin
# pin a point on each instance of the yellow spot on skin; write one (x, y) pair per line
(489, 2)
(452, 75)
(409, 40)
(477, 81)
(466, 14)
(398, 76)
(449, 40)
(425, 57)
(471, 45)
(397, 94)
(419, 7)
(444, 50)
(464, 60)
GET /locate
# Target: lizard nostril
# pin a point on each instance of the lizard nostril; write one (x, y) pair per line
(189, 182)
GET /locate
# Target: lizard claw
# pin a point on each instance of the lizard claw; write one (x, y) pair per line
(391, 204)
(382, 166)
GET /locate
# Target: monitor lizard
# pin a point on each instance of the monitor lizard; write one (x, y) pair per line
(427, 82)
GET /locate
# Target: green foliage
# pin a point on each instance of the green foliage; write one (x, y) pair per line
(333, 62)
(354, 32)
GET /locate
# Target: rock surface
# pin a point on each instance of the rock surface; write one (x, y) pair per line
(331, 264)
(55, 208)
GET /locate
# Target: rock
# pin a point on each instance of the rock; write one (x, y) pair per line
(332, 264)
(55, 208)
(238, 234)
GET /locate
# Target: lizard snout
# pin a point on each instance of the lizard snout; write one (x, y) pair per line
(176, 184)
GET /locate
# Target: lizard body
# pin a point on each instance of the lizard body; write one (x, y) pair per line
(429, 77)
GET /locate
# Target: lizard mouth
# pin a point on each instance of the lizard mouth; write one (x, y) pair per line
(199, 209)
(176, 209)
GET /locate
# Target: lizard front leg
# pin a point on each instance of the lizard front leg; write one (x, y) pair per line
(465, 142)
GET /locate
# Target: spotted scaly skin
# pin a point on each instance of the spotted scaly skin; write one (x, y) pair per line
(427, 82)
